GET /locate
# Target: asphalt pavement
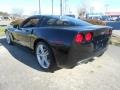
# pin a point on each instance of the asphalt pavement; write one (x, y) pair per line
(19, 70)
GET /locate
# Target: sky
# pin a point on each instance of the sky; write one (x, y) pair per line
(28, 7)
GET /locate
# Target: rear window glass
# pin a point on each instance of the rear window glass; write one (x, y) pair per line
(64, 21)
(51, 21)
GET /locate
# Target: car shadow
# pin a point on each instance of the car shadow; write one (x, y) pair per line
(22, 54)
(27, 56)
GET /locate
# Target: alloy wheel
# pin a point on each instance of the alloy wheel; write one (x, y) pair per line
(43, 56)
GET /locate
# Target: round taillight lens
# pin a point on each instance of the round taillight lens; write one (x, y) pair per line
(79, 38)
(88, 36)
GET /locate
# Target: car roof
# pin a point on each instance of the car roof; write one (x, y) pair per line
(57, 16)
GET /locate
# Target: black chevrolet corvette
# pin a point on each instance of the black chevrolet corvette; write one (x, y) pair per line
(60, 41)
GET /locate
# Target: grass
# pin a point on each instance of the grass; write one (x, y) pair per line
(2, 33)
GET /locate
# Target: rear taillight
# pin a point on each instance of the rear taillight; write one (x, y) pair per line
(88, 36)
(79, 38)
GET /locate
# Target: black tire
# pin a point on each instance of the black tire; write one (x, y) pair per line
(101, 54)
(50, 57)
(8, 38)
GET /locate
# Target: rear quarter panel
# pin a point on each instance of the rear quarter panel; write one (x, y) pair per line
(57, 37)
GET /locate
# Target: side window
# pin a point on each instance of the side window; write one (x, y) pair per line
(49, 21)
(63, 23)
(31, 23)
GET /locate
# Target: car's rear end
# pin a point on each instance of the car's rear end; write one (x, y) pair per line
(87, 44)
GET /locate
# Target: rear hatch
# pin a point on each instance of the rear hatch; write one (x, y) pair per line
(101, 35)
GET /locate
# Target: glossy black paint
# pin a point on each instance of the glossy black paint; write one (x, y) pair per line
(61, 40)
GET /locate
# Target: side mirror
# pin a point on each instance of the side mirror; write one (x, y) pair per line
(16, 26)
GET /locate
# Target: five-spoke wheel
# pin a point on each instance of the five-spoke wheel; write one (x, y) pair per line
(44, 56)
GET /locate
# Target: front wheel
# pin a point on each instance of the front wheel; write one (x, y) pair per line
(45, 56)
(8, 38)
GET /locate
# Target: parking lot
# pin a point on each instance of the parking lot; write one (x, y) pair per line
(19, 70)
(115, 25)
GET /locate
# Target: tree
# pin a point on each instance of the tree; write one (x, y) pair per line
(82, 12)
(17, 11)
(4, 14)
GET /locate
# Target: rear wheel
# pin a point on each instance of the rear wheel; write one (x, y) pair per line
(45, 57)
(8, 38)
(101, 54)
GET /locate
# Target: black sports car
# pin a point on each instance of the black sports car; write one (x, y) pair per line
(60, 40)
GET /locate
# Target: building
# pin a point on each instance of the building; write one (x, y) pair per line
(114, 16)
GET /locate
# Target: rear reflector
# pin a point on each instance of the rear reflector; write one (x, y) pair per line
(79, 38)
(88, 36)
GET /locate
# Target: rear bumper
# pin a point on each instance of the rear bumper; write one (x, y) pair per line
(76, 54)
